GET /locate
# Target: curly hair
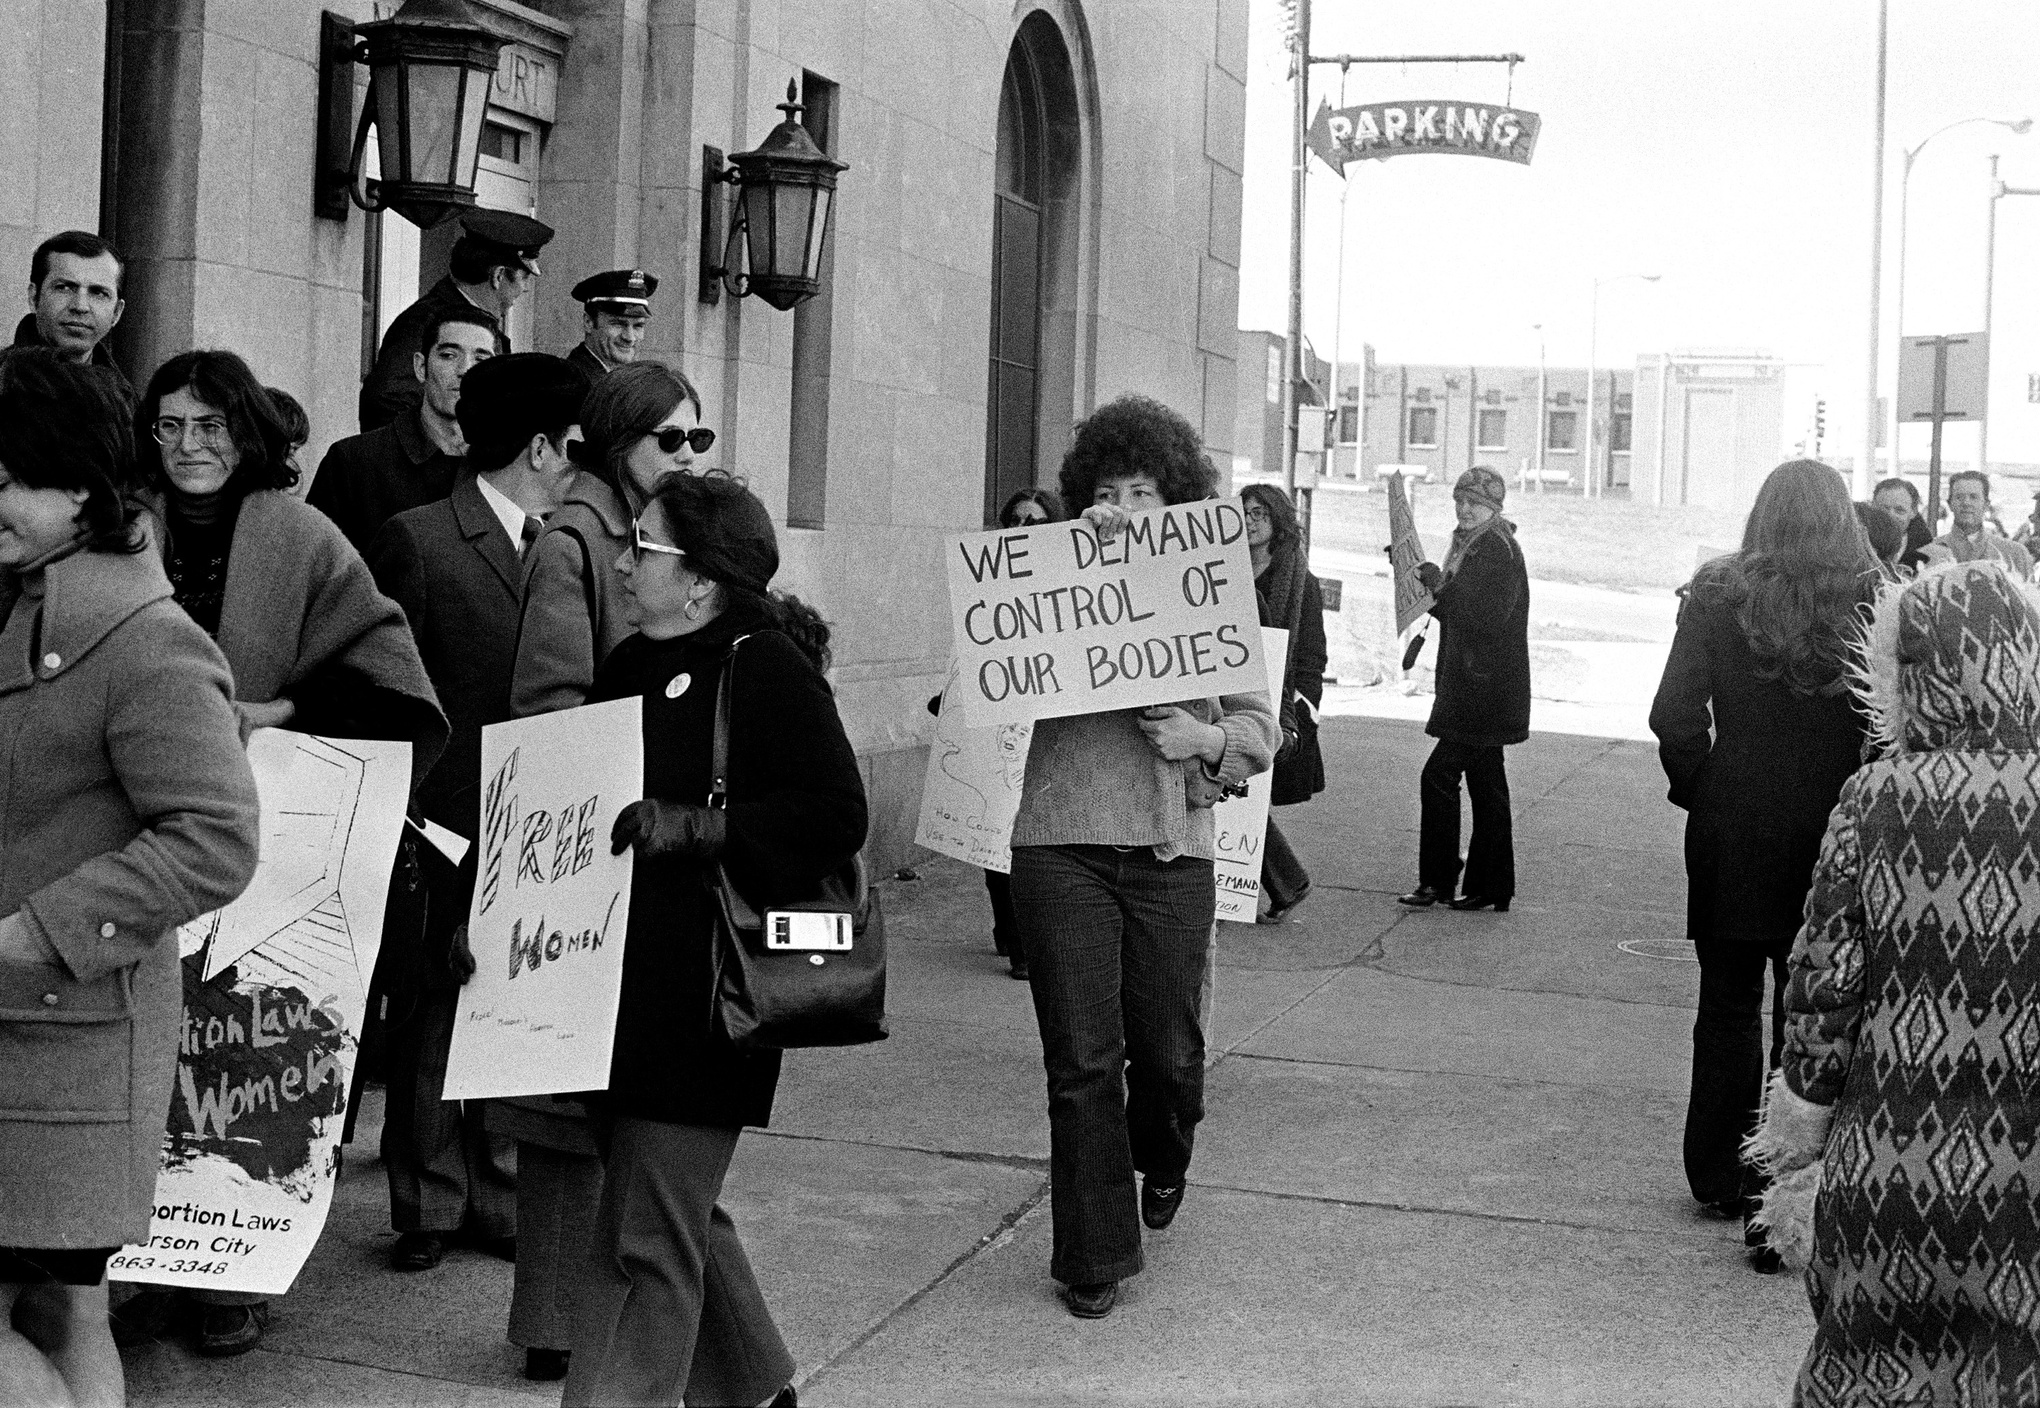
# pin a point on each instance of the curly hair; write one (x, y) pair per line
(1136, 435)
(1281, 515)
(224, 382)
(66, 426)
(1799, 585)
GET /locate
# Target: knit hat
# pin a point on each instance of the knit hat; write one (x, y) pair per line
(504, 401)
(1483, 486)
(724, 530)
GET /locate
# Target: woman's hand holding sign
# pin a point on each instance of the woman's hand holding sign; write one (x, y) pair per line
(1176, 736)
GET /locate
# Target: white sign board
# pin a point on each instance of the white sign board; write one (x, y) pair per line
(1050, 621)
(275, 986)
(551, 903)
(972, 790)
(1242, 822)
(1968, 374)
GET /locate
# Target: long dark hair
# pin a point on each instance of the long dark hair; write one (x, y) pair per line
(622, 408)
(223, 381)
(1287, 532)
(1805, 571)
(1047, 500)
(66, 426)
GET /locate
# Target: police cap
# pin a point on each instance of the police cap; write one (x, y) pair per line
(505, 232)
(618, 289)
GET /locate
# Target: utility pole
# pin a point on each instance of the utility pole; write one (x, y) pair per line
(1292, 359)
(1989, 276)
(1864, 475)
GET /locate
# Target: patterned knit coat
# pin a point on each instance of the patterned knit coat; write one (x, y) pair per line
(1914, 1016)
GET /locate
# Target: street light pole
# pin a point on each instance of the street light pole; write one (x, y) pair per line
(1292, 359)
(1593, 484)
(1538, 328)
(1868, 449)
(1989, 277)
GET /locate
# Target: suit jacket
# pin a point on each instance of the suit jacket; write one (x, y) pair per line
(588, 362)
(393, 386)
(366, 480)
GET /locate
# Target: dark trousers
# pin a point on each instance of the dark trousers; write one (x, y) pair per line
(1116, 944)
(446, 1170)
(1005, 929)
(670, 1312)
(1283, 877)
(557, 1195)
(1491, 850)
(1729, 1062)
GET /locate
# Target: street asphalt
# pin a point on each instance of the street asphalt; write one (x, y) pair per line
(1439, 1164)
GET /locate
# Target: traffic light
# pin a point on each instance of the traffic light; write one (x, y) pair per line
(1819, 419)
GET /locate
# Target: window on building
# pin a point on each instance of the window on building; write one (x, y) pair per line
(1274, 376)
(814, 321)
(1013, 397)
(1423, 428)
(503, 143)
(1493, 396)
(1421, 394)
(1349, 425)
(1560, 430)
(1622, 402)
(1618, 432)
(1492, 430)
(1561, 398)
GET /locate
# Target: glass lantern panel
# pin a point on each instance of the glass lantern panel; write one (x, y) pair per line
(386, 91)
(758, 229)
(474, 107)
(818, 232)
(435, 91)
(790, 229)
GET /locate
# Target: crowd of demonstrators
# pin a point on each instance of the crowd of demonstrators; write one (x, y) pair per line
(1481, 599)
(1757, 731)
(1113, 893)
(1908, 1092)
(139, 815)
(1974, 535)
(1289, 600)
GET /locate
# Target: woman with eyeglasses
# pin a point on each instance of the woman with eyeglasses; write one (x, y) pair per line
(127, 809)
(313, 645)
(1289, 601)
(669, 1310)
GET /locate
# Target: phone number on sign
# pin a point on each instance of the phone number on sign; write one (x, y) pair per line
(174, 1268)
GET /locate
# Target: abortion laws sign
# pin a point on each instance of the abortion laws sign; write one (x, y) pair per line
(1053, 620)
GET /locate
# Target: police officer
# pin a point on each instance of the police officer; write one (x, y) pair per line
(616, 307)
(492, 266)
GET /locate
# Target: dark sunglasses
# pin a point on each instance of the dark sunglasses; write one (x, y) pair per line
(672, 437)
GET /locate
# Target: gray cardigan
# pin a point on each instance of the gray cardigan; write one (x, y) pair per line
(1092, 780)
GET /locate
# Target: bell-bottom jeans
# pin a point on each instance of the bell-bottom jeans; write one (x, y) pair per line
(1117, 945)
(1491, 850)
(1729, 1062)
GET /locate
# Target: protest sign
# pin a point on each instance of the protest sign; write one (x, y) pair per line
(275, 987)
(1051, 621)
(1242, 822)
(972, 789)
(1404, 553)
(547, 921)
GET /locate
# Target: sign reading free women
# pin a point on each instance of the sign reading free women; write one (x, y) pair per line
(1052, 620)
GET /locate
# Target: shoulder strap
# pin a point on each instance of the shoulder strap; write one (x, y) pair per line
(719, 759)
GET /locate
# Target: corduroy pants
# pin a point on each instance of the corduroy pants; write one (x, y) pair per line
(1117, 944)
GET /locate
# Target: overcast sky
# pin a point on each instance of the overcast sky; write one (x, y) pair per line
(1725, 145)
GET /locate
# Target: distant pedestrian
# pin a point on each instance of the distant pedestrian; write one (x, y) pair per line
(1898, 498)
(1482, 602)
(491, 267)
(128, 809)
(670, 1311)
(616, 309)
(1910, 1048)
(297, 425)
(1757, 732)
(1887, 539)
(74, 300)
(1974, 536)
(1113, 889)
(1290, 601)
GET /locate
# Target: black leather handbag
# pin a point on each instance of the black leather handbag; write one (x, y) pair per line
(794, 972)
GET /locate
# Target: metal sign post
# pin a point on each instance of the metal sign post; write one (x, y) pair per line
(1941, 378)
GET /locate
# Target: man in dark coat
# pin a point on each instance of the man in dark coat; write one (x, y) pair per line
(616, 308)
(1482, 602)
(455, 568)
(492, 266)
(366, 480)
(74, 299)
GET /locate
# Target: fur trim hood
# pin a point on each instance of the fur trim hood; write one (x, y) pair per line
(1951, 661)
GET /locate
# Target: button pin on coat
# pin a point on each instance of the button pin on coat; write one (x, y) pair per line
(107, 930)
(52, 661)
(677, 686)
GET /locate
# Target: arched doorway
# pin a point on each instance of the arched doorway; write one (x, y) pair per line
(1034, 382)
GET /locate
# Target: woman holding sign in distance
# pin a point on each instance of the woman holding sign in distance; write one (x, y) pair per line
(127, 808)
(1290, 601)
(669, 1305)
(1113, 889)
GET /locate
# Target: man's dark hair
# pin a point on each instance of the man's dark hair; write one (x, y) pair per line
(1136, 435)
(224, 382)
(471, 260)
(83, 244)
(64, 425)
(1887, 539)
(1905, 484)
(474, 317)
(1978, 475)
(505, 401)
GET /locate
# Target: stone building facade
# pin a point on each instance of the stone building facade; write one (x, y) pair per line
(1061, 175)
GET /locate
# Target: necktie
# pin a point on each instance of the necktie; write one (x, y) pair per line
(533, 526)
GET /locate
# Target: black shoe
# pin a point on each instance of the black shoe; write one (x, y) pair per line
(1279, 912)
(503, 1248)
(418, 1251)
(1423, 897)
(1500, 906)
(1093, 1302)
(545, 1365)
(1158, 1204)
(227, 1330)
(1765, 1262)
(999, 944)
(1017, 967)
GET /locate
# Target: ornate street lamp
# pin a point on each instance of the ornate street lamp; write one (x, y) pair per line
(430, 66)
(786, 191)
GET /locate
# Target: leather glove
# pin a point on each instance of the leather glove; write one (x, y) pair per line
(1429, 575)
(1290, 737)
(659, 828)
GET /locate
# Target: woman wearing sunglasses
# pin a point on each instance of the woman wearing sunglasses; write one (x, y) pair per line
(670, 1311)
(641, 425)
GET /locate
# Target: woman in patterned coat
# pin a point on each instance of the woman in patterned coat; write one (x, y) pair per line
(1912, 1056)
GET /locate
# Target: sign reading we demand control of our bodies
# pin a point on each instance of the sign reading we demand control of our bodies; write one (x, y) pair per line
(1052, 620)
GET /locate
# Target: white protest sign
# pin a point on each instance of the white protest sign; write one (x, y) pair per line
(1050, 621)
(1405, 551)
(539, 1015)
(972, 790)
(275, 986)
(1242, 822)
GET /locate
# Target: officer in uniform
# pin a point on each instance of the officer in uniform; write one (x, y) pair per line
(492, 266)
(616, 307)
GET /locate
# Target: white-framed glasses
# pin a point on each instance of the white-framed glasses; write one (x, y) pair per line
(640, 544)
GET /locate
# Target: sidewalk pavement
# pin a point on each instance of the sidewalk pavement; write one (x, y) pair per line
(1439, 1165)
